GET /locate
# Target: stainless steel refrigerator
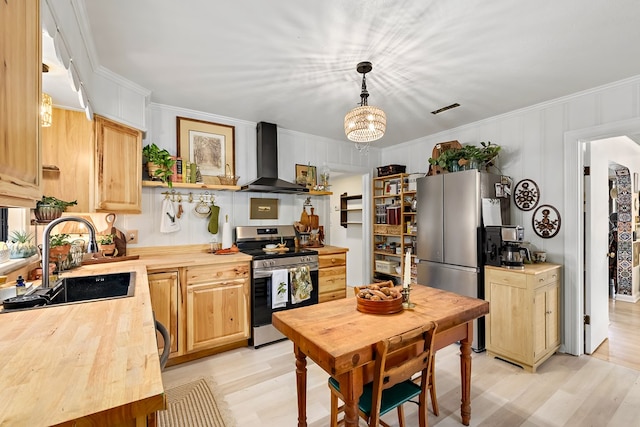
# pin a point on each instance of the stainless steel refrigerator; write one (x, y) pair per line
(449, 247)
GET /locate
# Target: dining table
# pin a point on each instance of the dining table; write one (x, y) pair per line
(341, 340)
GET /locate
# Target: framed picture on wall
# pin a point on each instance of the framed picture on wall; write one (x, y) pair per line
(209, 145)
(306, 175)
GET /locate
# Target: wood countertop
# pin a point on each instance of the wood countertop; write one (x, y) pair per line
(95, 360)
(528, 268)
(327, 249)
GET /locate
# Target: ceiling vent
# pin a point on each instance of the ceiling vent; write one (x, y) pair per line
(448, 107)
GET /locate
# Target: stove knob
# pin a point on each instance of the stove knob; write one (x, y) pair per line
(273, 262)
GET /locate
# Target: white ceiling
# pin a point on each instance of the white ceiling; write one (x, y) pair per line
(293, 62)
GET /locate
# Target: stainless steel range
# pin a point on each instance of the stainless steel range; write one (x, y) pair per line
(284, 259)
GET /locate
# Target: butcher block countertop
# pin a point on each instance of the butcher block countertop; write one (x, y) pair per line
(95, 362)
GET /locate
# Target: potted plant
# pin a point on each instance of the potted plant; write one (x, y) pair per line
(106, 244)
(448, 160)
(488, 154)
(59, 247)
(49, 208)
(21, 244)
(159, 163)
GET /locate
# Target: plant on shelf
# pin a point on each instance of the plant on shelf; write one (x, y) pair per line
(49, 208)
(159, 163)
(21, 244)
(488, 154)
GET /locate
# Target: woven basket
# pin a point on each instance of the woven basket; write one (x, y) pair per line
(228, 179)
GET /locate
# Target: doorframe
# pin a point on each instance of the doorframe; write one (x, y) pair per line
(573, 289)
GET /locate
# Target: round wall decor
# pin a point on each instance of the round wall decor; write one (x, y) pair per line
(526, 195)
(546, 221)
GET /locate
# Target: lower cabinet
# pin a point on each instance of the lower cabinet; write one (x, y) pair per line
(165, 296)
(523, 324)
(332, 275)
(217, 305)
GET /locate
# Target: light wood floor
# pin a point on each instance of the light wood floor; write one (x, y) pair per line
(622, 347)
(260, 390)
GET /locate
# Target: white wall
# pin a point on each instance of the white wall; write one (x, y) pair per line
(540, 143)
(293, 148)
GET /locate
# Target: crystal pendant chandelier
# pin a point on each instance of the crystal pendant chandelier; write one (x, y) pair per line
(365, 123)
(45, 110)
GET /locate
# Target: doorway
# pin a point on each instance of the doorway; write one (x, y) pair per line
(597, 148)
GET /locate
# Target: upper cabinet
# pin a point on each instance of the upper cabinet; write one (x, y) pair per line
(97, 163)
(20, 95)
(118, 167)
(67, 159)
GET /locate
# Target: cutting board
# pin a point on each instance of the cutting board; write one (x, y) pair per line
(314, 220)
(435, 153)
(119, 238)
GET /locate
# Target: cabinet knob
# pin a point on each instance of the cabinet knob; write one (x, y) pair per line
(333, 260)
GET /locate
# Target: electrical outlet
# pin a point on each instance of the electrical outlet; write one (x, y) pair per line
(132, 236)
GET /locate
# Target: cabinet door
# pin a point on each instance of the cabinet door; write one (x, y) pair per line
(332, 282)
(552, 298)
(68, 145)
(509, 317)
(217, 314)
(546, 319)
(164, 288)
(20, 97)
(118, 171)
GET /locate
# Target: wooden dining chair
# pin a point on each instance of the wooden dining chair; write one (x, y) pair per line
(397, 359)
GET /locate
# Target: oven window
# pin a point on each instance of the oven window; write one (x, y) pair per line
(261, 299)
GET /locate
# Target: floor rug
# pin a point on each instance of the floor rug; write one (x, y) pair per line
(195, 404)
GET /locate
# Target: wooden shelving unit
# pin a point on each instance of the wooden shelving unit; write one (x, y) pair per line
(345, 208)
(391, 241)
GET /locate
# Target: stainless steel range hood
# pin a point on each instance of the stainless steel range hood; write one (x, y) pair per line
(268, 181)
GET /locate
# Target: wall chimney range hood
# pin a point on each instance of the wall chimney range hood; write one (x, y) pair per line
(267, 150)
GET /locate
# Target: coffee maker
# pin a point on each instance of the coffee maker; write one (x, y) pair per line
(513, 254)
(503, 246)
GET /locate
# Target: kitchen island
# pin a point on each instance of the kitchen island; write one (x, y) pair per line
(91, 363)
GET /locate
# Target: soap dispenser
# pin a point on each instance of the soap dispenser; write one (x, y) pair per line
(21, 289)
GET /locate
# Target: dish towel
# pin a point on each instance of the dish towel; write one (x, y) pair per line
(168, 220)
(301, 285)
(279, 288)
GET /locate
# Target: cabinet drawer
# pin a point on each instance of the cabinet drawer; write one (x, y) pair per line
(217, 272)
(505, 277)
(544, 278)
(332, 260)
(332, 279)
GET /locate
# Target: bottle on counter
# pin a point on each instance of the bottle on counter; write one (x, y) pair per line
(21, 289)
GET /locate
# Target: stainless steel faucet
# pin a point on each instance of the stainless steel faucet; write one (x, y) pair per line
(92, 246)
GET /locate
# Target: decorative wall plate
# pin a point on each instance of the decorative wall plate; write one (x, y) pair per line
(546, 221)
(526, 195)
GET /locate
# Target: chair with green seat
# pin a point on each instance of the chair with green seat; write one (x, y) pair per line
(397, 359)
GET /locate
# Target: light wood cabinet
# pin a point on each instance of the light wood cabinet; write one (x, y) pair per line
(332, 274)
(67, 157)
(523, 324)
(217, 309)
(164, 289)
(20, 97)
(118, 167)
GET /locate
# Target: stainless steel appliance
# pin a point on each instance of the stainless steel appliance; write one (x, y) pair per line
(252, 240)
(513, 255)
(451, 236)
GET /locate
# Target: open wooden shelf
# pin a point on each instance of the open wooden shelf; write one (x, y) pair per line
(198, 186)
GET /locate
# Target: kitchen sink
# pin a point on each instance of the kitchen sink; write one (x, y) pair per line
(75, 290)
